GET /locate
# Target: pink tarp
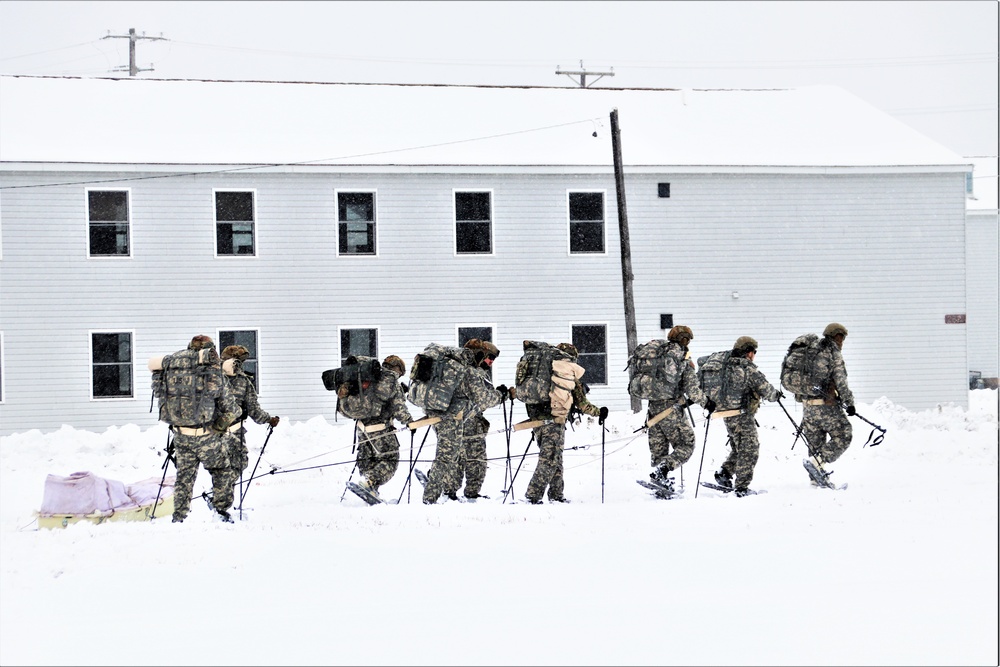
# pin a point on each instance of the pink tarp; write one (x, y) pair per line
(86, 493)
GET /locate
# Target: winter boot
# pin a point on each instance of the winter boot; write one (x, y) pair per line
(724, 479)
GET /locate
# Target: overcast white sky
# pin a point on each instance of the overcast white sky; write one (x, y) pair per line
(931, 64)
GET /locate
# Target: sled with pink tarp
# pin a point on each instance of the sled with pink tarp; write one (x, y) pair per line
(83, 496)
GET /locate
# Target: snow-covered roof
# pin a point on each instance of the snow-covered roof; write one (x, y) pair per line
(150, 121)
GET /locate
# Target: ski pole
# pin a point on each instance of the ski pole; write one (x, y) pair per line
(798, 427)
(506, 427)
(704, 445)
(166, 465)
(243, 492)
(243, 445)
(879, 438)
(354, 446)
(510, 488)
(413, 464)
(603, 431)
(413, 435)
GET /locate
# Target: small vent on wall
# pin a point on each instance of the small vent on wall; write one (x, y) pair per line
(667, 321)
(663, 190)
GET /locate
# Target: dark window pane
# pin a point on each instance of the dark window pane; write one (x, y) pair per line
(356, 215)
(586, 206)
(112, 365)
(358, 342)
(586, 237)
(356, 206)
(474, 206)
(112, 381)
(357, 238)
(473, 237)
(108, 239)
(233, 206)
(108, 206)
(465, 334)
(112, 348)
(591, 342)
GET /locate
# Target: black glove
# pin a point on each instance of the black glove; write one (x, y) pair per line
(503, 390)
(780, 396)
(710, 406)
(604, 415)
(274, 421)
(850, 410)
(687, 404)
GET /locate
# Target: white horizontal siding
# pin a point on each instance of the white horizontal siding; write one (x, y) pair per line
(883, 254)
(983, 294)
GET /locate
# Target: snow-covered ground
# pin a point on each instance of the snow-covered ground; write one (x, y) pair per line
(900, 568)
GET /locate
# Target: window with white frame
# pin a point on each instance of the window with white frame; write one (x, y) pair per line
(234, 222)
(356, 223)
(473, 222)
(108, 223)
(358, 342)
(248, 339)
(111, 364)
(591, 341)
(586, 222)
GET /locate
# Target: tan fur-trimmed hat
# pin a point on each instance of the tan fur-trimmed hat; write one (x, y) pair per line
(235, 352)
(393, 362)
(201, 342)
(678, 332)
(487, 347)
(569, 349)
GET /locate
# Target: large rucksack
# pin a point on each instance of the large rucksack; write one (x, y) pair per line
(360, 374)
(649, 377)
(533, 377)
(356, 372)
(187, 384)
(435, 375)
(718, 382)
(798, 368)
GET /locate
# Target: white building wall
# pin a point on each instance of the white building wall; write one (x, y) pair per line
(983, 294)
(883, 254)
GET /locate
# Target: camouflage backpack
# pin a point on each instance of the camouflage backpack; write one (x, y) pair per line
(798, 368)
(718, 383)
(187, 384)
(533, 377)
(436, 374)
(654, 373)
(358, 376)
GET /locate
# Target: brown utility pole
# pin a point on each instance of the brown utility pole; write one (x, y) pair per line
(631, 338)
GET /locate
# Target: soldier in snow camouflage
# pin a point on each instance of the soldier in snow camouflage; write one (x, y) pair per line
(827, 431)
(551, 437)
(378, 451)
(742, 428)
(195, 400)
(674, 432)
(473, 395)
(472, 460)
(245, 395)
